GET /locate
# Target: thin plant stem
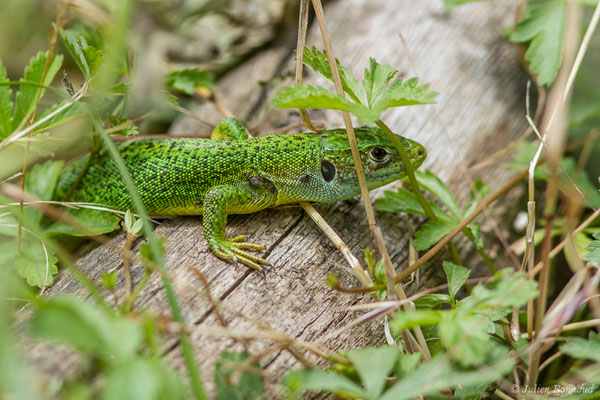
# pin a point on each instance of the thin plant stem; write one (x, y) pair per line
(302, 29)
(415, 184)
(375, 230)
(435, 249)
(556, 135)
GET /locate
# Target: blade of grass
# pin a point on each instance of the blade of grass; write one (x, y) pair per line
(186, 346)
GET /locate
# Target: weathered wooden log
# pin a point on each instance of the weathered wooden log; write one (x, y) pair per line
(479, 110)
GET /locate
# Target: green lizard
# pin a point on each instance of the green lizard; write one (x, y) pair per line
(233, 174)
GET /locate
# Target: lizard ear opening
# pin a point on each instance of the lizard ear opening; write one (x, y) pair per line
(327, 170)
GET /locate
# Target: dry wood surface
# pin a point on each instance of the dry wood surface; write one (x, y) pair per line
(480, 110)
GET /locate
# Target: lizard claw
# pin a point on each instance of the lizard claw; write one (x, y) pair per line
(235, 249)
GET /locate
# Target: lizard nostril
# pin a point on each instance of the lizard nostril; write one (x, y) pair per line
(420, 153)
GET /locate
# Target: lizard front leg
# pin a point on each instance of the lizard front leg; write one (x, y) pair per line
(256, 194)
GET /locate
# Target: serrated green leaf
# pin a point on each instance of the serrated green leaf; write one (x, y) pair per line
(456, 276)
(373, 365)
(406, 93)
(6, 104)
(543, 27)
(188, 80)
(431, 233)
(450, 4)
(41, 182)
(250, 385)
(75, 46)
(433, 184)
(307, 96)
(508, 288)
(473, 232)
(28, 94)
(409, 319)
(587, 349)
(466, 334)
(317, 61)
(593, 256)
(376, 79)
(317, 379)
(70, 320)
(36, 264)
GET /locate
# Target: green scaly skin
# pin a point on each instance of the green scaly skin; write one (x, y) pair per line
(233, 174)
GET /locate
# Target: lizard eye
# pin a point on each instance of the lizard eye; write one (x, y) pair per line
(327, 170)
(378, 153)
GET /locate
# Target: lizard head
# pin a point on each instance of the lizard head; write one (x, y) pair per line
(382, 163)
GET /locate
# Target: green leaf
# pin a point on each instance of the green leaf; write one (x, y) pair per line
(508, 288)
(317, 60)
(376, 79)
(407, 93)
(70, 320)
(406, 364)
(433, 300)
(373, 365)
(6, 104)
(188, 80)
(307, 96)
(98, 222)
(587, 349)
(40, 182)
(36, 264)
(593, 256)
(87, 57)
(317, 379)
(465, 334)
(143, 379)
(456, 276)
(433, 184)
(250, 385)
(109, 279)
(440, 373)
(431, 233)
(450, 4)
(473, 232)
(409, 319)
(369, 102)
(543, 27)
(28, 94)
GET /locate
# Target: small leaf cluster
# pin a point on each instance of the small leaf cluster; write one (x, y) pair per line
(404, 201)
(466, 342)
(367, 100)
(34, 261)
(120, 347)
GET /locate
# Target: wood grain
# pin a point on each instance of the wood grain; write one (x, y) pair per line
(479, 110)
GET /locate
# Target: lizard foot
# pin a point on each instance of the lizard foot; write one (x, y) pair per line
(235, 249)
